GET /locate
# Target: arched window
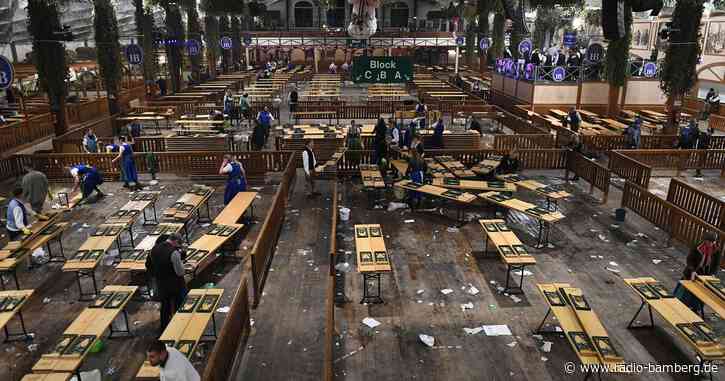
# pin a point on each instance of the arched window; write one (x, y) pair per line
(399, 15)
(303, 14)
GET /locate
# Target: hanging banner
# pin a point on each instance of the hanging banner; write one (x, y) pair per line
(649, 70)
(485, 43)
(525, 47)
(569, 39)
(134, 54)
(247, 39)
(558, 74)
(193, 47)
(595, 52)
(7, 73)
(226, 43)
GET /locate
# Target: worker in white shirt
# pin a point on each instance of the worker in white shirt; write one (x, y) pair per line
(173, 365)
(308, 164)
(17, 216)
(395, 133)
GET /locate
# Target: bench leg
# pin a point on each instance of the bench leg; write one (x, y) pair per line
(538, 329)
(20, 336)
(651, 318)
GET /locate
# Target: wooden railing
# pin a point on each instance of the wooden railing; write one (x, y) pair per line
(16, 135)
(523, 141)
(232, 338)
(595, 174)
(86, 111)
(629, 168)
(190, 163)
(330, 291)
(681, 225)
(71, 141)
(708, 208)
(521, 125)
(265, 246)
(600, 143)
(73, 144)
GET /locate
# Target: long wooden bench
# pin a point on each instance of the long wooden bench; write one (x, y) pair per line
(474, 185)
(11, 305)
(237, 208)
(202, 252)
(372, 260)
(709, 290)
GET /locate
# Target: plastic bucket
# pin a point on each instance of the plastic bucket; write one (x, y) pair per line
(344, 214)
(619, 214)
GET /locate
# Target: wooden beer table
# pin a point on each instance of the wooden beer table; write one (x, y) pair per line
(487, 165)
(138, 203)
(581, 326)
(691, 328)
(145, 118)
(709, 290)
(456, 167)
(135, 260)
(91, 252)
(513, 253)
(462, 199)
(237, 208)
(203, 251)
(438, 170)
(373, 182)
(372, 260)
(477, 185)
(71, 349)
(44, 233)
(186, 328)
(544, 216)
(47, 377)
(551, 192)
(187, 205)
(11, 305)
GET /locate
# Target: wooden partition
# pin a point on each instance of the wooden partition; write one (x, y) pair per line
(601, 143)
(266, 243)
(678, 159)
(629, 168)
(681, 225)
(193, 163)
(232, 338)
(595, 174)
(710, 209)
(17, 135)
(71, 141)
(143, 144)
(523, 141)
(87, 110)
(521, 125)
(330, 292)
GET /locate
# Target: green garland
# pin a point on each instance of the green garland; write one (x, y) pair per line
(497, 48)
(236, 40)
(211, 36)
(678, 74)
(194, 25)
(617, 57)
(224, 31)
(48, 56)
(108, 48)
(150, 59)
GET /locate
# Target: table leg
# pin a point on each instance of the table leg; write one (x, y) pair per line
(21, 336)
(538, 329)
(651, 318)
(368, 297)
(56, 258)
(516, 289)
(148, 221)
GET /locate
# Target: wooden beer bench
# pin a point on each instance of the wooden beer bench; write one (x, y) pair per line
(11, 305)
(186, 328)
(710, 291)
(552, 193)
(437, 170)
(202, 252)
(92, 251)
(462, 199)
(44, 233)
(372, 260)
(513, 253)
(581, 326)
(47, 377)
(691, 328)
(544, 216)
(71, 349)
(187, 205)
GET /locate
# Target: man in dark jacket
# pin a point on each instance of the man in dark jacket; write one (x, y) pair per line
(165, 266)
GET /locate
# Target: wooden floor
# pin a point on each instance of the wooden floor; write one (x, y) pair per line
(55, 302)
(288, 333)
(428, 256)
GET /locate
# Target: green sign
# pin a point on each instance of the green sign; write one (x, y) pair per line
(357, 44)
(382, 70)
